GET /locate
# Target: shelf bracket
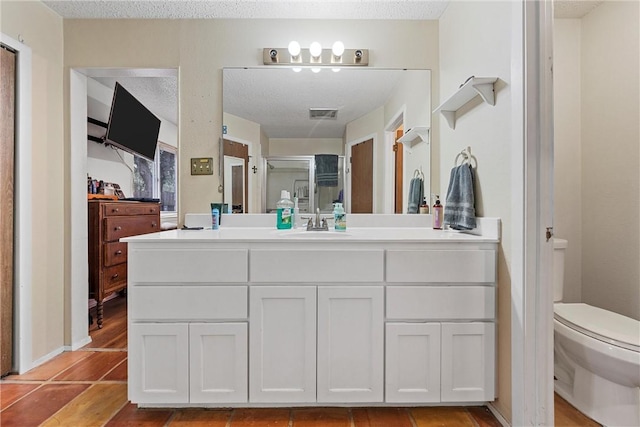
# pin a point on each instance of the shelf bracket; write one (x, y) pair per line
(486, 92)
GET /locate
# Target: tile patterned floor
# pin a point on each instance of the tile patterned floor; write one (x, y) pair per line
(89, 388)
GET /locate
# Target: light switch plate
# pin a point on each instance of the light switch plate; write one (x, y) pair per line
(202, 166)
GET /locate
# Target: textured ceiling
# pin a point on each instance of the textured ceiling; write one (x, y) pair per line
(160, 94)
(250, 9)
(279, 99)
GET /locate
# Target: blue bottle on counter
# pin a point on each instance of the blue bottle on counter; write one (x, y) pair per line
(339, 217)
(215, 218)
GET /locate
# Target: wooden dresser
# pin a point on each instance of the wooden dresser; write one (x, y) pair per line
(108, 222)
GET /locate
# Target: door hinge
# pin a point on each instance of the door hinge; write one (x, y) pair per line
(549, 233)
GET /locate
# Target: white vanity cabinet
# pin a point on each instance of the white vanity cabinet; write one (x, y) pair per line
(264, 321)
(282, 344)
(350, 344)
(447, 352)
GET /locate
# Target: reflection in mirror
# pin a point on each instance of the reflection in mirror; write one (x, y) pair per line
(234, 189)
(281, 117)
(297, 174)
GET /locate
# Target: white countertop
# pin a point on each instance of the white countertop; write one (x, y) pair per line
(356, 234)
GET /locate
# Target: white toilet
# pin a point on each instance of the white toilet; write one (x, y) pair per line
(596, 356)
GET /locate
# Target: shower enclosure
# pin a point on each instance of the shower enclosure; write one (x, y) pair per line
(296, 174)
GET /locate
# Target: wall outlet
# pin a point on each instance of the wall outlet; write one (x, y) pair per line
(202, 166)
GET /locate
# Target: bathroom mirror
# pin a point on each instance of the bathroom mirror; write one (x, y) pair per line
(274, 113)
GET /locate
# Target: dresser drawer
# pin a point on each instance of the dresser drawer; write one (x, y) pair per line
(125, 209)
(441, 302)
(441, 266)
(118, 227)
(174, 303)
(114, 278)
(114, 253)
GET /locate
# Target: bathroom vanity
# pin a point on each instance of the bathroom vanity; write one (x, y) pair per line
(253, 316)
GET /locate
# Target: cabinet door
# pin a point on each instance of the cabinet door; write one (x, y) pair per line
(282, 342)
(350, 344)
(468, 362)
(159, 372)
(412, 362)
(218, 362)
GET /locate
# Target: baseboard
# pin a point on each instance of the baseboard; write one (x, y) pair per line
(46, 357)
(78, 344)
(498, 415)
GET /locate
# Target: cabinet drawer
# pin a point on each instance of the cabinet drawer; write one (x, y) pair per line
(438, 266)
(169, 303)
(115, 253)
(118, 227)
(188, 265)
(114, 278)
(318, 266)
(119, 209)
(440, 302)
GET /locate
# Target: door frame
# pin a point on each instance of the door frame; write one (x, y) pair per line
(228, 189)
(253, 196)
(532, 203)
(347, 166)
(389, 166)
(23, 261)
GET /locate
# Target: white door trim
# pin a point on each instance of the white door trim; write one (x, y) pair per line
(532, 308)
(23, 336)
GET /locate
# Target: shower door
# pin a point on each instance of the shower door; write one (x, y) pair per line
(296, 174)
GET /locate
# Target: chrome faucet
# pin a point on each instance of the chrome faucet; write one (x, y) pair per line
(320, 223)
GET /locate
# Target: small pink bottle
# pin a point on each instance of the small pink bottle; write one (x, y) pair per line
(437, 214)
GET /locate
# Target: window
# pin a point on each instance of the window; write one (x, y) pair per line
(157, 179)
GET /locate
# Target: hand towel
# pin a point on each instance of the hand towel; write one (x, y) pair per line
(416, 188)
(459, 207)
(326, 170)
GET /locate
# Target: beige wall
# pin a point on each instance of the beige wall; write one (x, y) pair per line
(567, 221)
(41, 30)
(611, 157)
(305, 146)
(597, 179)
(475, 39)
(201, 48)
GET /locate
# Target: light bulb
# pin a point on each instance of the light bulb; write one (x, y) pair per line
(335, 70)
(315, 49)
(338, 49)
(296, 69)
(315, 69)
(294, 48)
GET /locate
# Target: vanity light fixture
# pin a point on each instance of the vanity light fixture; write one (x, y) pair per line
(315, 55)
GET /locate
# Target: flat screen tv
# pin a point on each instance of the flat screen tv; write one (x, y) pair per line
(132, 127)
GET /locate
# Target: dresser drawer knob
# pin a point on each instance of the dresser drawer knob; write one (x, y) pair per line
(115, 276)
(118, 228)
(153, 224)
(118, 252)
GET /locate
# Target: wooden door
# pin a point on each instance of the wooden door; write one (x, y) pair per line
(398, 151)
(236, 149)
(7, 134)
(362, 177)
(350, 344)
(282, 343)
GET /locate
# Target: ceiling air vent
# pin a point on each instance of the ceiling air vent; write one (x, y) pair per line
(323, 113)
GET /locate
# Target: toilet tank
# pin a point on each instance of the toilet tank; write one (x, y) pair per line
(559, 249)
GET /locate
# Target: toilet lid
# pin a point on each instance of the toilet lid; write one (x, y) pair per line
(612, 328)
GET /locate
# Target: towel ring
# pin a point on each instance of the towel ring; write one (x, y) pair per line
(418, 174)
(467, 157)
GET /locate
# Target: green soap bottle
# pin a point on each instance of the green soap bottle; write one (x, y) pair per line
(284, 212)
